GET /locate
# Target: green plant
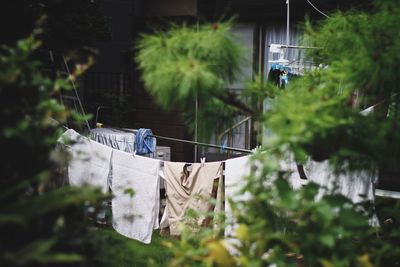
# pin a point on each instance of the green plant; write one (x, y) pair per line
(41, 223)
(197, 63)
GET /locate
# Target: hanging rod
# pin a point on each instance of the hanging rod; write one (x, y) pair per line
(192, 142)
(294, 46)
(172, 139)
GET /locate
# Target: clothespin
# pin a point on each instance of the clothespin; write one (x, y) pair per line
(202, 161)
(257, 148)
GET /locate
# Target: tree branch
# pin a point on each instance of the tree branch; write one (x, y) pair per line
(232, 100)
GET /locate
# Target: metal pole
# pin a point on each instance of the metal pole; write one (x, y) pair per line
(287, 22)
(190, 142)
(295, 46)
(195, 126)
(196, 111)
(76, 93)
(202, 144)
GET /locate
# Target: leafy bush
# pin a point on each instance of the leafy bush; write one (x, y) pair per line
(41, 223)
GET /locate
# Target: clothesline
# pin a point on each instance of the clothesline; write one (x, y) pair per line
(293, 46)
(192, 142)
(174, 139)
(188, 141)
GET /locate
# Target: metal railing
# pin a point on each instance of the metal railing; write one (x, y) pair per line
(229, 133)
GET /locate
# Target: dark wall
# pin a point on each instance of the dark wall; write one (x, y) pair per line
(272, 10)
(169, 8)
(114, 54)
(109, 82)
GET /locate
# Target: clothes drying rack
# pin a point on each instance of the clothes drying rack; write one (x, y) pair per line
(241, 150)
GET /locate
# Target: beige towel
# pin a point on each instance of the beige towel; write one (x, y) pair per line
(189, 188)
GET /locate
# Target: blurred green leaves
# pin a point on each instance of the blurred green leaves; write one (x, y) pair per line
(187, 64)
(187, 61)
(41, 223)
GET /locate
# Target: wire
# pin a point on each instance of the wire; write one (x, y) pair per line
(317, 9)
(76, 94)
(189, 142)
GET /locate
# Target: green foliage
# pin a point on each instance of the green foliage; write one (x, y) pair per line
(188, 63)
(195, 61)
(364, 47)
(280, 226)
(119, 251)
(318, 115)
(40, 223)
(286, 226)
(200, 249)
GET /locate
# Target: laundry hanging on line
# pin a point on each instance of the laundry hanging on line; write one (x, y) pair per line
(90, 161)
(189, 187)
(280, 74)
(144, 142)
(358, 186)
(129, 142)
(135, 214)
(98, 165)
(235, 172)
(114, 138)
(94, 164)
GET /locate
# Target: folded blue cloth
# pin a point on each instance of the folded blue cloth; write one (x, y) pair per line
(144, 143)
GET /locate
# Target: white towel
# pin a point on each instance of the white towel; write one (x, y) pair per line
(358, 186)
(289, 166)
(90, 161)
(235, 172)
(114, 138)
(135, 216)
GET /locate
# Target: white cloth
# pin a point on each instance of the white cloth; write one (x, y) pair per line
(90, 161)
(117, 139)
(114, 138)
(358, 186)
(236, 170)
(135, 216)
(289, 166)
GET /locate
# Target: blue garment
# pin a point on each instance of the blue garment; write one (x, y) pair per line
(285, 74)
(144, 143)
(284, 79)
(275, 66)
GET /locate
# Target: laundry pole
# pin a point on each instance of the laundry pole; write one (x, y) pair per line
(195, 126)
(287, 23)
(196, 110)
